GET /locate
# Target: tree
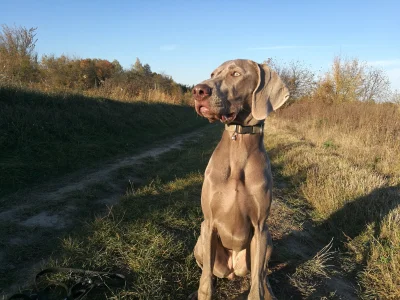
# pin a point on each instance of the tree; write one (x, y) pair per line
(353, 80)
(347, 77)
(61, 72)
(117, 67)
(88, 71)
(299, 79)
(138, 67)
(17, 54)
(375, 86)
(104, 70)
(147, 70)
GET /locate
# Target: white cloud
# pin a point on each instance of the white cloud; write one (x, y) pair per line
(171, 47)
(385, 63)
(274, 47)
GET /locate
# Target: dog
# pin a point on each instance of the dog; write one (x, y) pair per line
(237, 189)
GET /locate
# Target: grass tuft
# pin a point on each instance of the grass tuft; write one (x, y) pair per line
(308, 276)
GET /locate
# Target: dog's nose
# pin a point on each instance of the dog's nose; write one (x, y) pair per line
(201, 91)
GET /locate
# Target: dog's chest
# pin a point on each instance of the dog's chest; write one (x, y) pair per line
(233, 204)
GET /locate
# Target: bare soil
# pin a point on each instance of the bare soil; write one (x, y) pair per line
(34, 221)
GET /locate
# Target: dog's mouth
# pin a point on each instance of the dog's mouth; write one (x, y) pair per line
(211, 116)
(227, 118)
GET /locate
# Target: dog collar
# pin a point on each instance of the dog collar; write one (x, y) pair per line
(239, 129)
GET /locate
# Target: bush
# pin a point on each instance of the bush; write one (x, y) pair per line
(17, 54)
(352, 80)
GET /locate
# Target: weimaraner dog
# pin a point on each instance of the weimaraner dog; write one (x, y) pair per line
(236, 195)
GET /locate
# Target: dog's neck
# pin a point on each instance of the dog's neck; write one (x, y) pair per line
(244, 136)
(237, 130)
(235, 154)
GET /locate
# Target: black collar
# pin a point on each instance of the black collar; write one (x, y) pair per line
(245, 129)
(239, 129)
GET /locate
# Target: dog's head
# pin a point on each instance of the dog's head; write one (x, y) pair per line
(241, 92)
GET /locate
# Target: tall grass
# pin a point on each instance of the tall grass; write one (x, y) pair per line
(150, 95)
(43, 135)
(367, 133)
(345, 159)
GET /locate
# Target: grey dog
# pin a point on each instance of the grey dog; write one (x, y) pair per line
(237, 189)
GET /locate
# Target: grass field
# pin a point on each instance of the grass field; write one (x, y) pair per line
(148, 236)
(44, 135)
(345, 160)
(334, 177)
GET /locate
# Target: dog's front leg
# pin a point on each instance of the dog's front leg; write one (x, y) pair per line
(209, 247)
(261, 248)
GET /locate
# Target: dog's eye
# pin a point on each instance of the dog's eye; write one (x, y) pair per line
(236, 74)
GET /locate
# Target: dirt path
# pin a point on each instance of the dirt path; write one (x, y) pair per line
(35, 221)
(40, 216)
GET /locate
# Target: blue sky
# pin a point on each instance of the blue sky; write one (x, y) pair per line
(188, 39)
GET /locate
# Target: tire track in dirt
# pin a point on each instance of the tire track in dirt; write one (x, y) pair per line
(53, 208)
(49, 210)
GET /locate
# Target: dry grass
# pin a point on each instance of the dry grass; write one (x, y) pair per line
(381, 277)
(332, 183)
(344, 158)
(112, 92)
(307, 275)
(151, 95)
(367, 133)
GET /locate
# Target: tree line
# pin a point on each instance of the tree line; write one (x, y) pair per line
(347, 80)
(20, 64)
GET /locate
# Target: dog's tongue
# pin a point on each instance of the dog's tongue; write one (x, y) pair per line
(224, 118)
(227, 118)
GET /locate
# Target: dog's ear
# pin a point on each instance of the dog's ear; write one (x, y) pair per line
(270, 93)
